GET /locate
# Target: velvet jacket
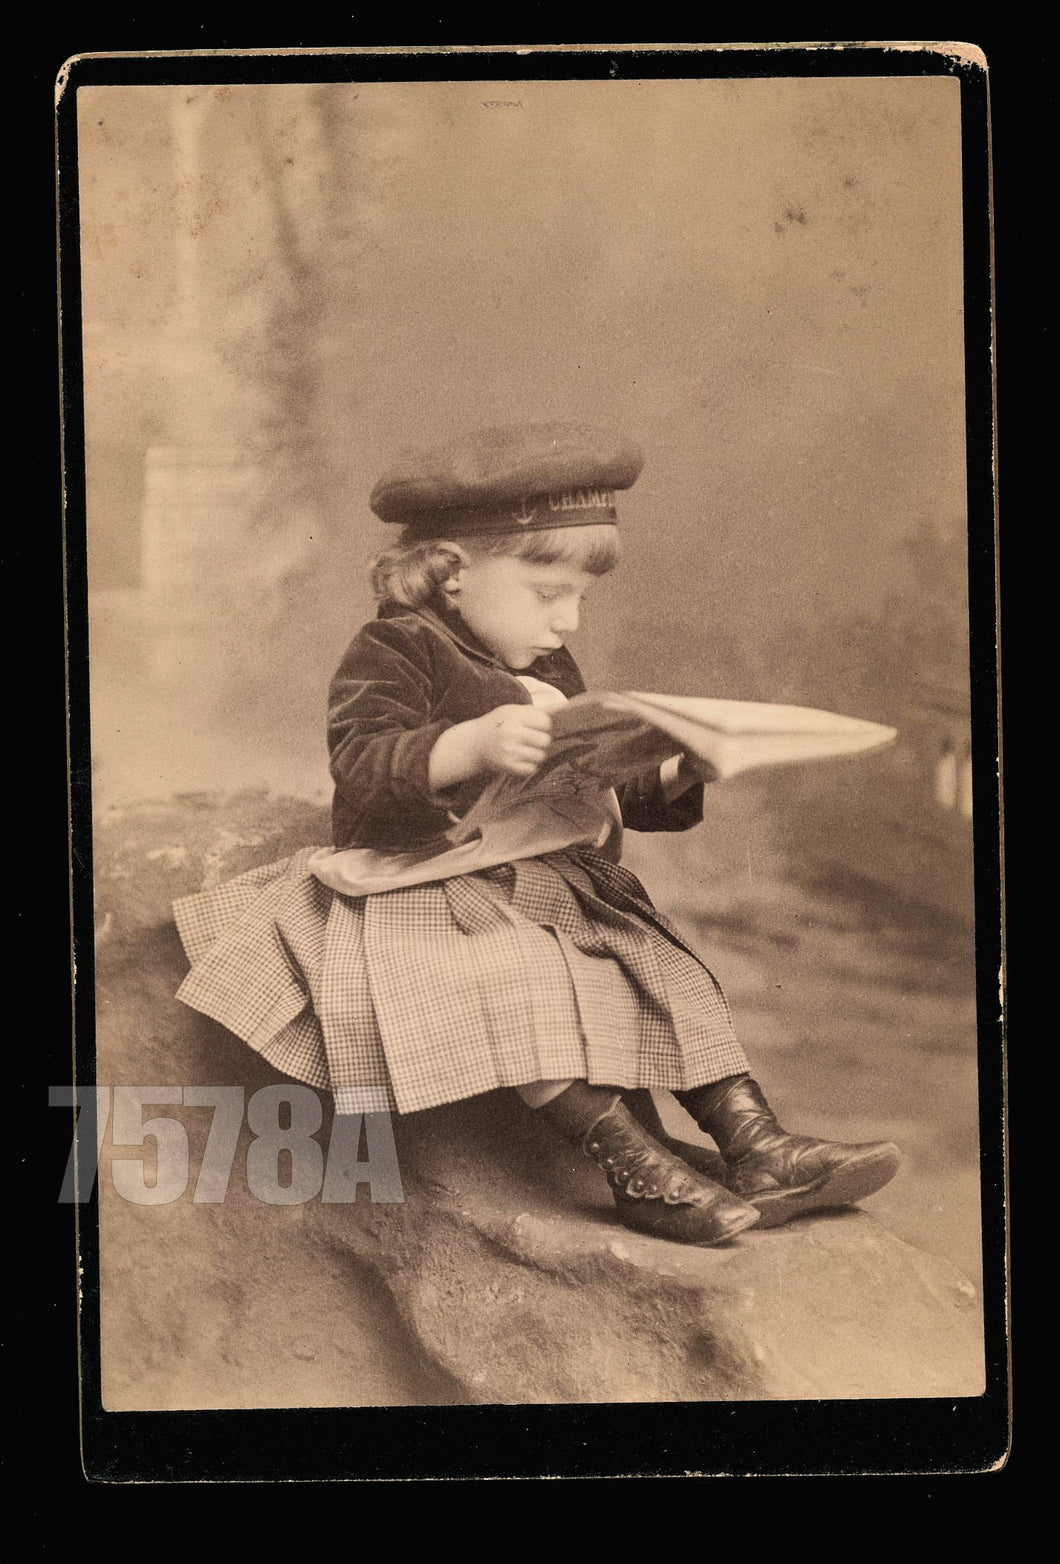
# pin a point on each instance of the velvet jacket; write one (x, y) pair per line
(406, 677)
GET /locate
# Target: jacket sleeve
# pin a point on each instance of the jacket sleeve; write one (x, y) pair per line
(644, 807)
(380, 737)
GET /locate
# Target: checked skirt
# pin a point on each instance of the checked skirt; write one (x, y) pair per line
(542, 969)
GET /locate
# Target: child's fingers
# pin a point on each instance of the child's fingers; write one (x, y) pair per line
(534, 738)
(516, 738)
(523, 755)
(700, 767)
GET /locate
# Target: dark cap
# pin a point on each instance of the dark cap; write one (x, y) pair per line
(529, 476)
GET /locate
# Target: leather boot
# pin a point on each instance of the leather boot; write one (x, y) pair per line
(655, 1192)
(784, 1175)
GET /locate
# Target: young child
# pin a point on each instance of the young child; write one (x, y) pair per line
(526, 958)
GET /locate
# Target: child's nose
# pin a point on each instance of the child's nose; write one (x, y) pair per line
(565, 617)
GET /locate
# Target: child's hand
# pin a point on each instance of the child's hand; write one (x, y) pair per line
(682, 772)
(513, 739)
(698, 769)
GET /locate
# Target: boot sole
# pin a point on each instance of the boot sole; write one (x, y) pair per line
(844, 1187)
(649, 1223)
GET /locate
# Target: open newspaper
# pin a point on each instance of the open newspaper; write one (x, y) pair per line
(601, 740)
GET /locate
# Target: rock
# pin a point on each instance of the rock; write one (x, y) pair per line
(503, 1276)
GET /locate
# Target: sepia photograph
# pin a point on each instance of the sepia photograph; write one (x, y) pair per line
(530, 550)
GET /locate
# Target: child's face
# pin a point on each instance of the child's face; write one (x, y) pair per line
(520, 610)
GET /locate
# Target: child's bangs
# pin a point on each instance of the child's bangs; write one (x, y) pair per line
(595, 549)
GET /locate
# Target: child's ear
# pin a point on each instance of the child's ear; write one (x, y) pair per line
(460, 561)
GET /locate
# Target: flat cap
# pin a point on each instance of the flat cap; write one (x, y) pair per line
(529, 476)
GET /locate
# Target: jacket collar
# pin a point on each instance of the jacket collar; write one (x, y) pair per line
(451, 626)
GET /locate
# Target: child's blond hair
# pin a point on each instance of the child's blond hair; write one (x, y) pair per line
(414, 571)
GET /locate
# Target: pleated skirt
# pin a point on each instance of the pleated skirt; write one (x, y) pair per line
(542, 969)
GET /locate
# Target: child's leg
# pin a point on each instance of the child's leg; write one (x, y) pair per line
(539, 1092)
(655, 1191)
(784, 1175)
